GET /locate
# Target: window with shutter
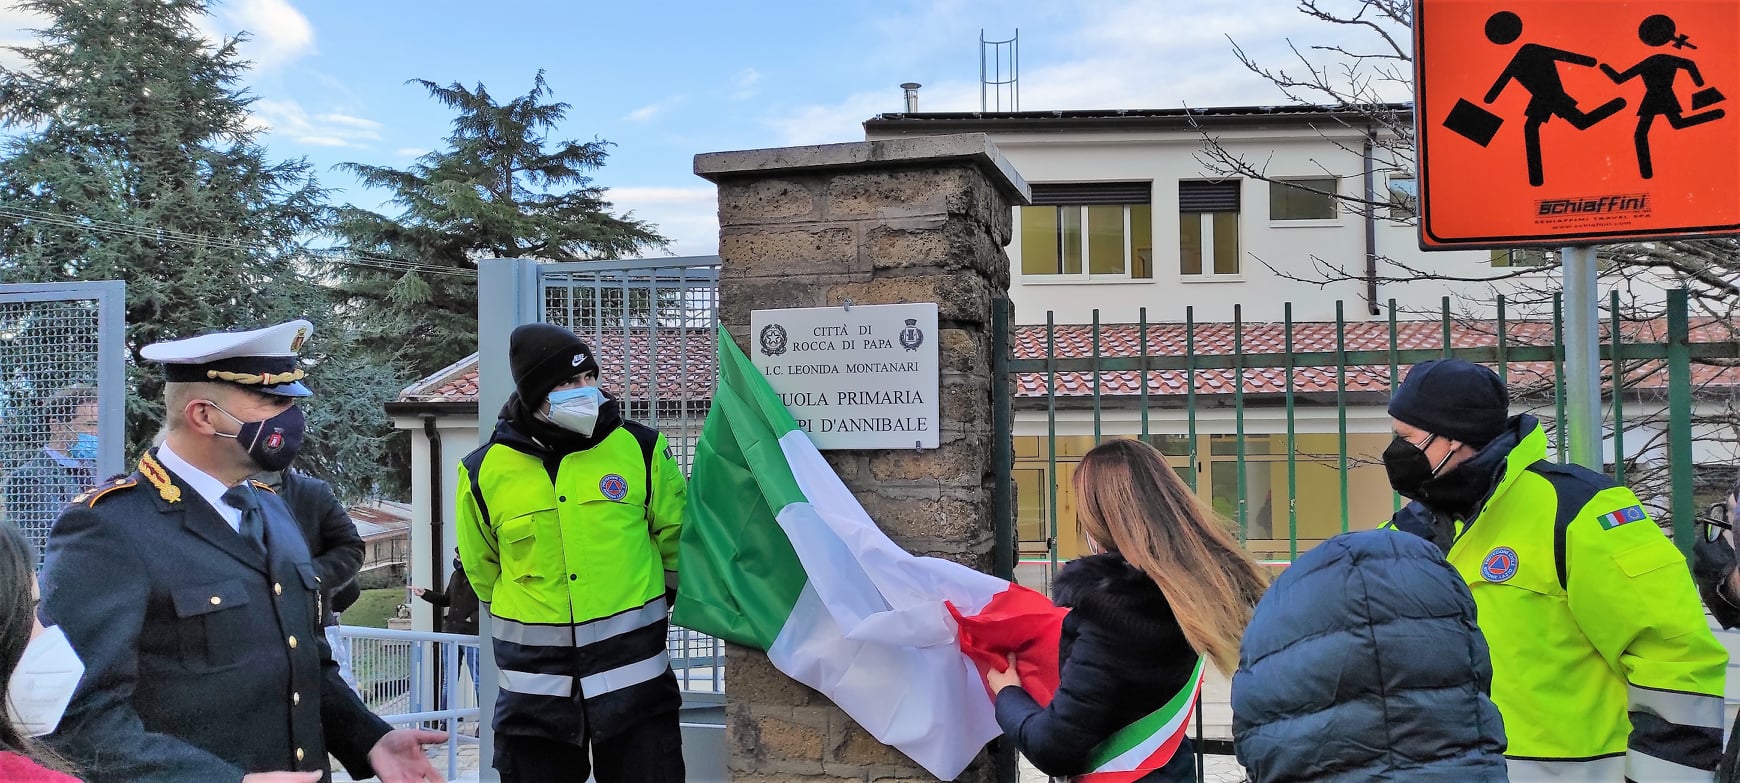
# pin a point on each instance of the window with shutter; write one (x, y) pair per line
(1208, 228)
(1088, 230)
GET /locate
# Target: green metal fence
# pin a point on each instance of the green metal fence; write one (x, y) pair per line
(1666, 365)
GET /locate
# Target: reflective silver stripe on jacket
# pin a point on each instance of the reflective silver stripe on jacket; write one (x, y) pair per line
(624, 676)
(1603, 770)
(1644, 767)
(582, 635)
(534, 684)
(1685, 709)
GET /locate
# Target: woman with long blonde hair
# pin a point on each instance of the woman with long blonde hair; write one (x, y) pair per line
(1168, 590)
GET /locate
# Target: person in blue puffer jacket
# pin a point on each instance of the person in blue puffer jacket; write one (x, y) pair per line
(1363, 662)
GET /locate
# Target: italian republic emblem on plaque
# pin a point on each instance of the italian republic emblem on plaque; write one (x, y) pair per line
(773, 340)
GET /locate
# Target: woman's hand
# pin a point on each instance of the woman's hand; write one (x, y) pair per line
(1004, 679)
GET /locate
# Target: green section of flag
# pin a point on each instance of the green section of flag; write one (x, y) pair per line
(740, 575)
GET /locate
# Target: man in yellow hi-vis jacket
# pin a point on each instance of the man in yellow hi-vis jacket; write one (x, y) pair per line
(568, 521)
(1604, 668)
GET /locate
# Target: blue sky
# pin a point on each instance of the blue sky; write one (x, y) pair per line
(666, 80)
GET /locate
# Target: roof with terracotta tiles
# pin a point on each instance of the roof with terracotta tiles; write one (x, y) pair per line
(1076, 341)
(381, 518)
(679, 362)
(682, 360)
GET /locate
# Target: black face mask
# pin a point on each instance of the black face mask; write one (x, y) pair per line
(1409, 468)
(272, 444)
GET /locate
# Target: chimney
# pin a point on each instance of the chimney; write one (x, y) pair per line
(911, 89)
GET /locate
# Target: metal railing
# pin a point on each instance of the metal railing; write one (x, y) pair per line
(395, 673)
(698, 659)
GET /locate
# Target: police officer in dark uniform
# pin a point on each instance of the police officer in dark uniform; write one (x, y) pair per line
(189, 594)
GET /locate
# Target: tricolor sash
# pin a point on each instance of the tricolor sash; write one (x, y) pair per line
(1149, 743)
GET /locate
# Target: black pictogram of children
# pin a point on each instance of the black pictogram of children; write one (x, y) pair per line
(1658, 72)
(1535, 68)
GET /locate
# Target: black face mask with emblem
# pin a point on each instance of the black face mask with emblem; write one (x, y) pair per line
(273, 443)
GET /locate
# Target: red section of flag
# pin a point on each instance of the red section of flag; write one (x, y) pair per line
(1020, 621)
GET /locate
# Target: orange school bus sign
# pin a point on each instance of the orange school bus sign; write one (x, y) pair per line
(1564, 122)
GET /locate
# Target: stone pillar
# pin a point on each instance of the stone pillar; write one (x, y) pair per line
(919, 219)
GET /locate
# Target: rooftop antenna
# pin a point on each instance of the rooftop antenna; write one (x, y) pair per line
(999, 73)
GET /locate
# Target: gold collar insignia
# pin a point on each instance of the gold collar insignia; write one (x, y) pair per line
(153, 472)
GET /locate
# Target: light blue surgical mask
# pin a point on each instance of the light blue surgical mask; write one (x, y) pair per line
(576, 410)
(569, 395)
(84, 448)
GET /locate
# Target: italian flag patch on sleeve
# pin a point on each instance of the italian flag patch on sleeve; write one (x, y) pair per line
(1622, 516)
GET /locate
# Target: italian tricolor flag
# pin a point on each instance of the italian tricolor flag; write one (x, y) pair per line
(778, 555)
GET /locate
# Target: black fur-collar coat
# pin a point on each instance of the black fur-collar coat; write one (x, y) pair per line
(1122, 657)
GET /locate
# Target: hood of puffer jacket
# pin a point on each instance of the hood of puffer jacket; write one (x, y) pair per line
(1363, 662)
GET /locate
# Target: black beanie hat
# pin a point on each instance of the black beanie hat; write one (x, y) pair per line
(1455, 399)
(543, 356)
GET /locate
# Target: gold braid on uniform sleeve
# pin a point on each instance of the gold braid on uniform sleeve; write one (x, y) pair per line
(253, 379)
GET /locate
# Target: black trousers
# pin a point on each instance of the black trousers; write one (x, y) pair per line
(649, 752)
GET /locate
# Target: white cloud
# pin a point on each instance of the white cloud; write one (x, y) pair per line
(688, 216)
(695, 195)
(411, 152)
(645, 113)
(278, 34)
(652, 110)
(348, 121)
(1136, 54)
(743, 85)
(287, 118)
(830, 123)
(15, 27)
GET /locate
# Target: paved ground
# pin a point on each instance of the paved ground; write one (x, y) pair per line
(1217, 769)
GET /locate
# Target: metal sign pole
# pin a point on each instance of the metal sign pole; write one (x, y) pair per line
(1582, 358)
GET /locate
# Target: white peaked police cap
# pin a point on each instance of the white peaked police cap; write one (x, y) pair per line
(263, 360)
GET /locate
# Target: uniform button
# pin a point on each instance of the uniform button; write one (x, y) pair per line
(216, 600)
(299, 754)
(562, 499)
(277, 589)
(292, 642)
(295, 699)
(572, 577)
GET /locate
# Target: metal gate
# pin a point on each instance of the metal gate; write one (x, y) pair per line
(62, 396)
(653, 325)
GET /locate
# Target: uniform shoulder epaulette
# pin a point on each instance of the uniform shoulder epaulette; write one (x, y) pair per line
(89, 497)
(263, 485)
